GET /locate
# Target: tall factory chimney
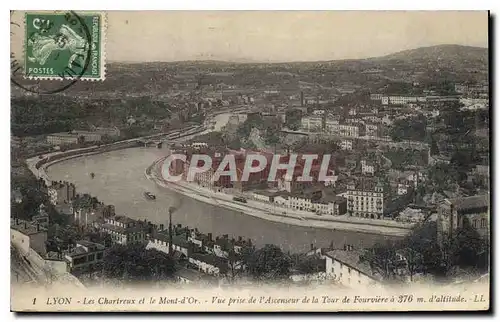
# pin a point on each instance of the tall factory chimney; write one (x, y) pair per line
(170, 232)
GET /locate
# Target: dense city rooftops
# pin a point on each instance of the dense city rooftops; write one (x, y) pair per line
(364, 184)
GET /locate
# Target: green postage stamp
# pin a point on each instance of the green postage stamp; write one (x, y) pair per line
(65, 45)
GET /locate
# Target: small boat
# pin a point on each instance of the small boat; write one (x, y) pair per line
(149, 195)
(92, 175)
(240, 199)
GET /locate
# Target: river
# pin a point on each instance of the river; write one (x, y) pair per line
(120, 181)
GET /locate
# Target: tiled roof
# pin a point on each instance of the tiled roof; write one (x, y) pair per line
(90, 245)
(80, 248)
(177, 240)
(77, 251)
(224, 243)
(123, 230)
(479, 201)
(211, 260)
(351, 258)
(124, 219)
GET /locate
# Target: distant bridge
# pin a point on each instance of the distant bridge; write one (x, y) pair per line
(150, 143)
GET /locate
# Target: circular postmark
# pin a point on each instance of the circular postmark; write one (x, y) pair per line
(57, 51)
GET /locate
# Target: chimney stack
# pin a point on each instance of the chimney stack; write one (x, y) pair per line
(209, 236)
(161, 226)
(312, 246)
(240, 238)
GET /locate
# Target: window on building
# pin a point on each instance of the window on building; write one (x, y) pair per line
(99, 255)
(483, 222)
(349, 270)
(78, 260)
(474, 223)
(91, 257)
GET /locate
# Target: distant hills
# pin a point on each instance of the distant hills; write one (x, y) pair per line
(440, 52)
(450, 63)
(432, 53)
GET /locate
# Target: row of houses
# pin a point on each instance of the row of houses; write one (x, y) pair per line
(407, 100)
(290, 137)
(204, 254)
(212, 257)
(311, 199)
(208, 255)
(81, 136)
(332, 126)
(206, 258)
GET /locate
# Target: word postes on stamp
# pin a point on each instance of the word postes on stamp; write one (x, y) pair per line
(64, 46)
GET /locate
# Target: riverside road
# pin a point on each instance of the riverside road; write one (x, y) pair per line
(120, 181)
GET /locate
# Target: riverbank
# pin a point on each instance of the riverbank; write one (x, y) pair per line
(38, 166)
(290, 217)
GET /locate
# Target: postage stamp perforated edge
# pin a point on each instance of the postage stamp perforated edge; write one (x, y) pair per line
(102, 46)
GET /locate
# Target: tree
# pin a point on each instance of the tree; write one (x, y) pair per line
(269, 264)
(425, 253)
(134, 263)
(434, 147)
(382, 258)
(34, 194)
(443, 177)
(464, 160)
(309, 264)
(272, 136)
(293, 119)
(413, 259)
(98, 237)
(468, 249)
(66, 236)
(237, 262)
(409, 129)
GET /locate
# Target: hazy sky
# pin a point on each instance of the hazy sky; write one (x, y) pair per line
(285, 35)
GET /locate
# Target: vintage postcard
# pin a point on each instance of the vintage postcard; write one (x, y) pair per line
(250, 161)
